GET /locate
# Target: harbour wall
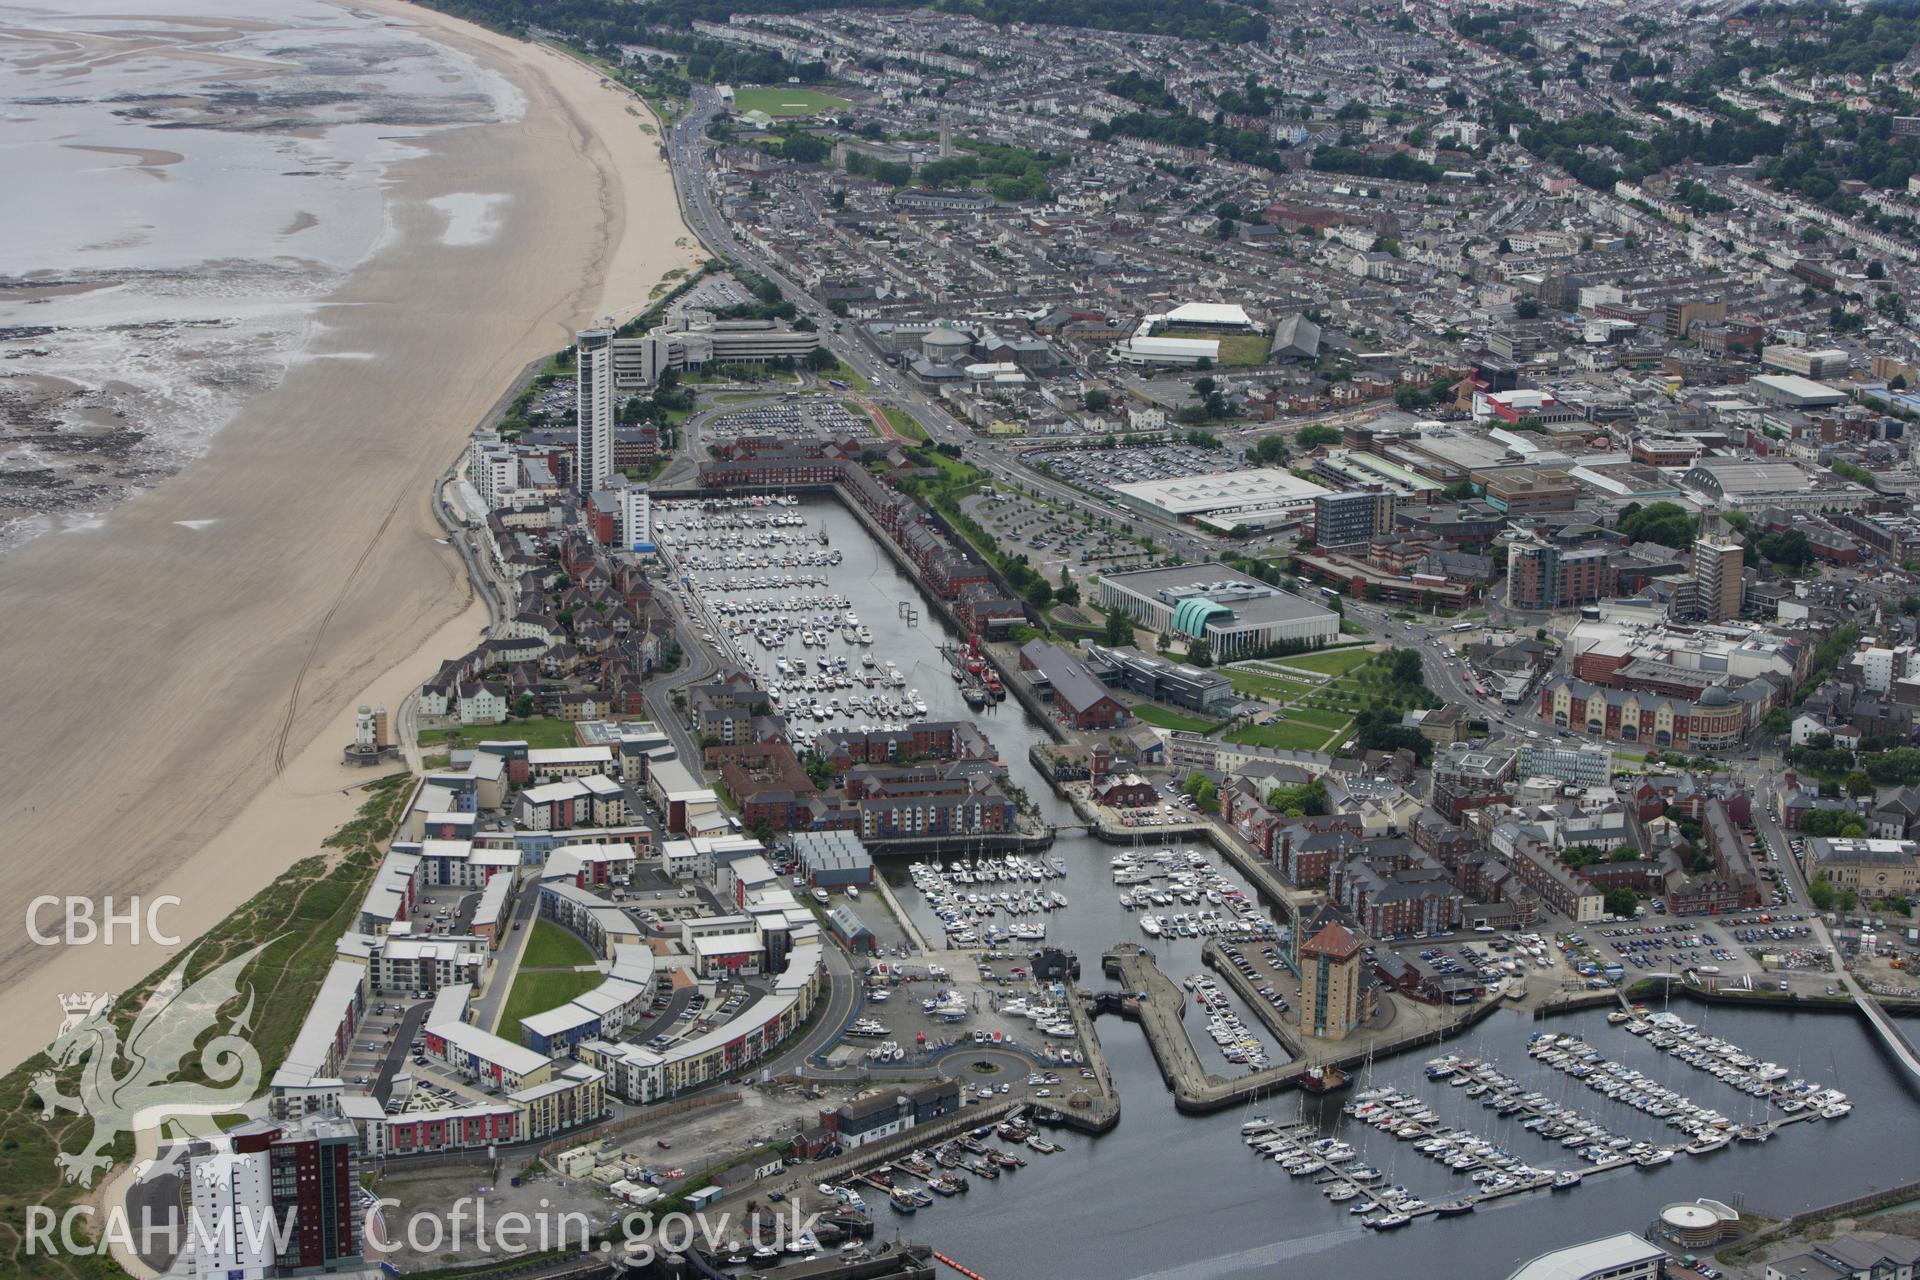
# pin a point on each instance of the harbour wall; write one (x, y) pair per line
(1104, 1113)
(982, 842)
(1275, 1022)
(1650, 988)
(1800, 1222)
(1197, 1092)
(1575, 1001)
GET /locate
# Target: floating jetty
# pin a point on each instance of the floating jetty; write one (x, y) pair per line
(969, 897)
(1335, 1165)
(1731, 1065)
(1180, 893)
(759, 577)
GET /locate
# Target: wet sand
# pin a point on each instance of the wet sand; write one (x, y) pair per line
(178, 681)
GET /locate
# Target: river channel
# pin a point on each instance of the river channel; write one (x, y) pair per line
(1167, 1195)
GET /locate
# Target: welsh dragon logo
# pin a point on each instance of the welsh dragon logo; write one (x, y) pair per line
(171, 1022)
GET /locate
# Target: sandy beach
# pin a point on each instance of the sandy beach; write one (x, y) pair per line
(178, 680)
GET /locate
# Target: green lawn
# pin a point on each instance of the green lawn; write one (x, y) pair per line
(1333, 662)
(903, 422)
(537, 733)
(538, 992)
(953, 469)
(1243, 349)
(1167, 719)
(1253, 684)
(785, 100)
(1287, 735)
(1330, 719)
(1318, 712)
(1272, 667)
(844, 372)
(1235, 348)
(552, 947)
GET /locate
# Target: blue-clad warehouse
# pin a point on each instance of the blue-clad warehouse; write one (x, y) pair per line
(833, 859)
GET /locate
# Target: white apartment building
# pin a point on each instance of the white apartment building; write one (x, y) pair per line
(636, 519)
(233, 1233)
(1879, 667)
(593, 409)
(691, 342)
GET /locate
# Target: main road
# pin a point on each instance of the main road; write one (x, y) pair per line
(1442, 676)
(686, 144)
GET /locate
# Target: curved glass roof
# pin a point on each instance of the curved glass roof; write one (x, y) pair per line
(1190, 616)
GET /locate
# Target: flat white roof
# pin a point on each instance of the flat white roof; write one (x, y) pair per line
(1208, 313)
(1794, 387)
(569, 755)
(1521, 398)
(667, 776)
(615, 922)
(431, 947)
(307, 1055)
(632, 963)
(1809, 353)
(801, 962)
(1196, 495)
(568, 859)
(1521, 442)
(753, 867)
(1184, 347)
(573, 893)
(1576, 1262)
(558, 1020)
(725, 944)
(609, 995)
(707, 818)
(450, 1004)
(489, 1047)
(360, 1106)
(492, 898)
(383, 902)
